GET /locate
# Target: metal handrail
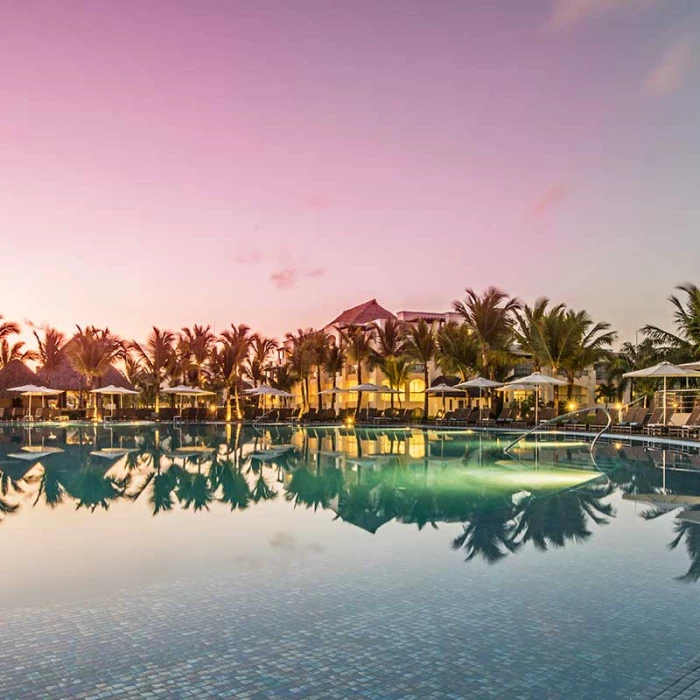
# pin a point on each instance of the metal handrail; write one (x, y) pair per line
(566, 415)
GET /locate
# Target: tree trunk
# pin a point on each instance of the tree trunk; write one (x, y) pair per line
(228, 406)
(426, 381)
(318, 389)
(335, 382)
(359, 393)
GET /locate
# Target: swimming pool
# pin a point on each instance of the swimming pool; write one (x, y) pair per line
(221, 561)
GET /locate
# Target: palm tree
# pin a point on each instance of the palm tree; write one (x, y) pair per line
(157, 358)
(334, 362)
(528, 330)
(319, 345)
(358, 340)
(491, 318)
(397, 371)
(261, 348)
(8, 328)
(229, 361)
(92, 352)
(16, 351)
(685, 343)
(593, 345)
(195, 347)
(49, 349)
(457, 352)
(300, 353)
(421, 346)
(389, 352)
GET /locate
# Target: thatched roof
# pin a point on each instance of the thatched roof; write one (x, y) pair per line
(363, 314)
(64, 377)
(15, 373)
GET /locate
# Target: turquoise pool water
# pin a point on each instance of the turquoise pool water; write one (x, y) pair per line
(292, 563)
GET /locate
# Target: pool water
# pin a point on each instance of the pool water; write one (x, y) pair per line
(285, 562)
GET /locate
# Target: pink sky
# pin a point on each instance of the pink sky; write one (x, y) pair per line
(272, 163)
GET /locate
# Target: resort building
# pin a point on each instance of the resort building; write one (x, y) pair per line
(412, 394)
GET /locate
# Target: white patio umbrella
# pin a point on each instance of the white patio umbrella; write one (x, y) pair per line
(662, 370)
(182, 391)
(442, 389)
(368, 388)
(479, 383)
(264, 390)
(112, 390)
(536, 379)
(34, 390)
(335, 390)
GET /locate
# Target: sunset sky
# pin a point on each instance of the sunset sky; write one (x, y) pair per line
(272, 163)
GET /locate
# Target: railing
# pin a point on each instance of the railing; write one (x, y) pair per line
(556, 419)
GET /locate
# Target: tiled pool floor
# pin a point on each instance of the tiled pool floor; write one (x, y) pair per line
(278, 634)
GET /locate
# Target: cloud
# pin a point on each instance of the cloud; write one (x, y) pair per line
(285, 278)
(316, 272)
(566, 14)
(669, 72)
(318, 202)
(247, 257)
(554, 195)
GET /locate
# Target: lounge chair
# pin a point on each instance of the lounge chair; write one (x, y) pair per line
(691, 429)
(546, 414)
(655, 425)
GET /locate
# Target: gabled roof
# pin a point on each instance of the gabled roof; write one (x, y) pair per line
(16, 373)
(363, 314)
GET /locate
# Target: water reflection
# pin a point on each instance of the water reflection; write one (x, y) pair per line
(548, 494)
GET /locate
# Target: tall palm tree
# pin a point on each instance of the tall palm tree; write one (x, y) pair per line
(229, 361)
(397, 371)
(319, 344)
(359, 340)
(491, 318)
(157, 357)
(8, 328)
(685, 343)
(457, 352)
(16, 351)
(49, 349)
(195, 346)
(593, 345)
(93, 351)
(421, 346)
(388, 352)
(528, 330)
(258, 363)
(301, 357)
(334, 362)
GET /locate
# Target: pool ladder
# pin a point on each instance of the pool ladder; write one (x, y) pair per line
(556, 419)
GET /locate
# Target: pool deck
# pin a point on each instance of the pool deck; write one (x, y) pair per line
(682, 684)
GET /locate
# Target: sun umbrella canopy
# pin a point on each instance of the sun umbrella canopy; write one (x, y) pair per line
(663, 369)
(334, 390)
(444, 389)
(478, 383)
(267, 391)
(517, 386)
(183, 390)
(113, 390)
(539, 379)
(33, 390)
(690, 365)
(369, 387)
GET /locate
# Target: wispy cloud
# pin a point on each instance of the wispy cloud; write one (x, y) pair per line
(554, 195)
(670, 70)
(247, 257)
(316, 272)
(566, 14)
(285, 278)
